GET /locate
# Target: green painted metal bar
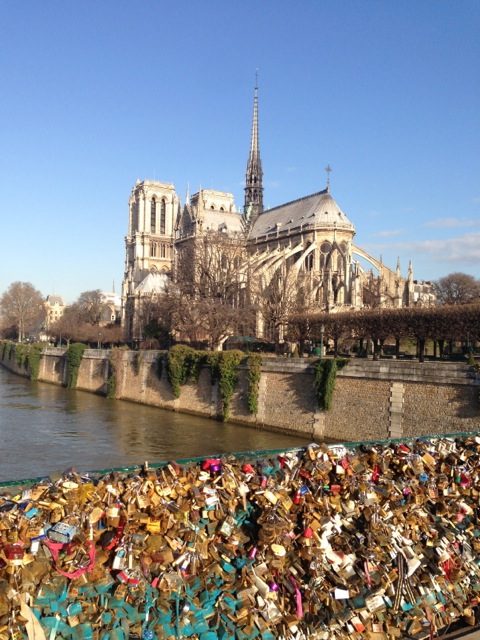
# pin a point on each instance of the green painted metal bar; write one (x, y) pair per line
(256, 454)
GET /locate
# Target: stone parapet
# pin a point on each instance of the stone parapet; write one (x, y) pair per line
(408, 371)
(373, 400)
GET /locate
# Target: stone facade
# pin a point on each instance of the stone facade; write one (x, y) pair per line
(372, 400)
(54, 310)
(153, 211)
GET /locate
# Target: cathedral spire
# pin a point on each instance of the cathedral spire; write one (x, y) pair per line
(253, 182)
(328, 170)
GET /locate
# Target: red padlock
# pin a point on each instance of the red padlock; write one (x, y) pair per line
(14, 553)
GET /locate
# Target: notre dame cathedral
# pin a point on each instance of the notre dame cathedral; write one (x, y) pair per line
(308, 239)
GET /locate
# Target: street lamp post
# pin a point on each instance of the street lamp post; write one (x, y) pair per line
(322, 329)
(99, 340)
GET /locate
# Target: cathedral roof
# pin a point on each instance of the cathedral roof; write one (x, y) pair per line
(192, 221)
(317, 211)
(154, 282)
(219, 220)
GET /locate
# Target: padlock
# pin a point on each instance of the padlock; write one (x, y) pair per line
(62, 532)
(14, 553)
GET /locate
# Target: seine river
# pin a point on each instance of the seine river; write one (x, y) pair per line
(46, 429)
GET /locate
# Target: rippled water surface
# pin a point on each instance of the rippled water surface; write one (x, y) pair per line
(45, 428)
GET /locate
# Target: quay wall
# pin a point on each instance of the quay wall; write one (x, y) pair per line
(372, 399)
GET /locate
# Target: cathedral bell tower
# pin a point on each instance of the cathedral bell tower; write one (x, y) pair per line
(253, 206)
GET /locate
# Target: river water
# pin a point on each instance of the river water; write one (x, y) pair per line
(46, 429)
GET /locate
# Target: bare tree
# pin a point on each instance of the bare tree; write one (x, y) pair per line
(91, 306)
(284, 299)
(22, 306)
(457, 288)
(70, 326)
(208, 301)
(276, 300)
(336, 326)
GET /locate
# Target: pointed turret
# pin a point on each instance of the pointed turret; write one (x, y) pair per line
(253, 182)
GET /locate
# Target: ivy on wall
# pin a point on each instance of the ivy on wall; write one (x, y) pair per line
(111, 386)
(26, 355)
(137, 362)
(74, 355)
(21, 354)
(224, 365)
(6, 349)
(184, 364)
(325, 378)
(159, 365)
(254, 364)
(115, 359)
(35, 354)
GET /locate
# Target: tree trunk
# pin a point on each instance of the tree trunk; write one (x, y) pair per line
(376, 349)
(441, 347)
(397, 348)
(421, 350)
(301, 348)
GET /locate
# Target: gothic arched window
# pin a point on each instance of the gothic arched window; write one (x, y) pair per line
(134, 217)
(163, 217)
(153, 216)
(309, 261)
(325, 249)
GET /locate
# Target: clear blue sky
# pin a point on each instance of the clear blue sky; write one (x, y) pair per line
(98, 93)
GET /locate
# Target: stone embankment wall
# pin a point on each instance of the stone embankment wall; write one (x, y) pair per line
(372, 400)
